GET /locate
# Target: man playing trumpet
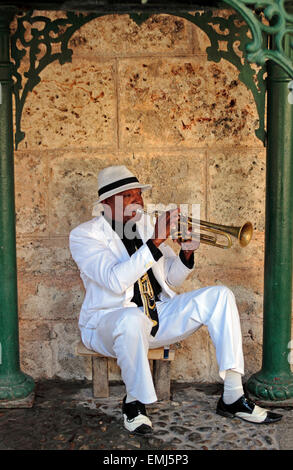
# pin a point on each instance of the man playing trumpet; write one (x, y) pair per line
(128, 272)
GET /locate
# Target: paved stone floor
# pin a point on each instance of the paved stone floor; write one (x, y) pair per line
(65, 416)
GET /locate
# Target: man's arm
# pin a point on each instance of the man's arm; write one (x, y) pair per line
(96, 260)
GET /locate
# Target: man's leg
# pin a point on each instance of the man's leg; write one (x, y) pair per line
(124, 334)
(216, 308)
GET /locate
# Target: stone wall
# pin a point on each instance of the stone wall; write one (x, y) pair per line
(148, 98)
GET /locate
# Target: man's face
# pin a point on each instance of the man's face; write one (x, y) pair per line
(122, 207)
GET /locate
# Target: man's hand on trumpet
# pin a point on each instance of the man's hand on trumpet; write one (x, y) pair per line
(188, 246)
(166, 224)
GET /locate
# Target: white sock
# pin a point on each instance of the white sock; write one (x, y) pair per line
(233, 388)
(129, 398)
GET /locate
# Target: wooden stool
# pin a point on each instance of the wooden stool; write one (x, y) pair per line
(161, 370)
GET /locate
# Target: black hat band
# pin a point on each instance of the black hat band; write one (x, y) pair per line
(117, 184)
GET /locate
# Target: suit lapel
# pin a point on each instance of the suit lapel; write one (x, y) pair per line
(119, 250)
(114, 241)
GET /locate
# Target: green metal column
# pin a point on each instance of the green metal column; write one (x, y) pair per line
(275, 380)
(14, 384)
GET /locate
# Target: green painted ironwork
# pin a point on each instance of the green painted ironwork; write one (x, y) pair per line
(275, 380)
(54, 32)
(14, 384)
(61, 30)
(268, 19)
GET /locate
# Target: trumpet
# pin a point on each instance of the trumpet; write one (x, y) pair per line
(196, 228)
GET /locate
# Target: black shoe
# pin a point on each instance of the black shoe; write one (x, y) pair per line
(247, 410)
(135, 418)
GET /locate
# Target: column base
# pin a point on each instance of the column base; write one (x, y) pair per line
(27, 402)
(16, 388)
(273, 389)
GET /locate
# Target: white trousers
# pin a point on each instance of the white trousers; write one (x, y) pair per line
(125, 334)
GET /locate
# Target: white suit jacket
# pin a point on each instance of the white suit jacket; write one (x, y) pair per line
(109, 272)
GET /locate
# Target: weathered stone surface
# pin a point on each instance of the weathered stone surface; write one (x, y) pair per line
(31, 194)
(236, 190)
(35, 331)
(75, 103)
(50, 298)
(119, 35)
(65, 363)
(184, 102)
(246, 279)
(44, 256)
(195, 358)
(36, 357)
(178, 178)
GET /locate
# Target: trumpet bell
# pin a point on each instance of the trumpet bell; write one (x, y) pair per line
(243, 233)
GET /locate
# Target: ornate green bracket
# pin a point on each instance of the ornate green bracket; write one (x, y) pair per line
(61, 30)
(54, 32)
(272, 19)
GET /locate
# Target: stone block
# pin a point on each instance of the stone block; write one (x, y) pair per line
(252, 328)
(75, 104)
(119, 35)
(47, 297)
(35, 348)
(65, 363)
(162, 102)
(177, 178)
(44, 256)
(39, 331)
(200, 41)
(233, 116)
(250, 279)
(31, 193)
(236, 188)
(73, 187)
(195, 360)
(36, 358)
(186, 102)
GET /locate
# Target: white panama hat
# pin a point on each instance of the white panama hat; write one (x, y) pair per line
(115, 179)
